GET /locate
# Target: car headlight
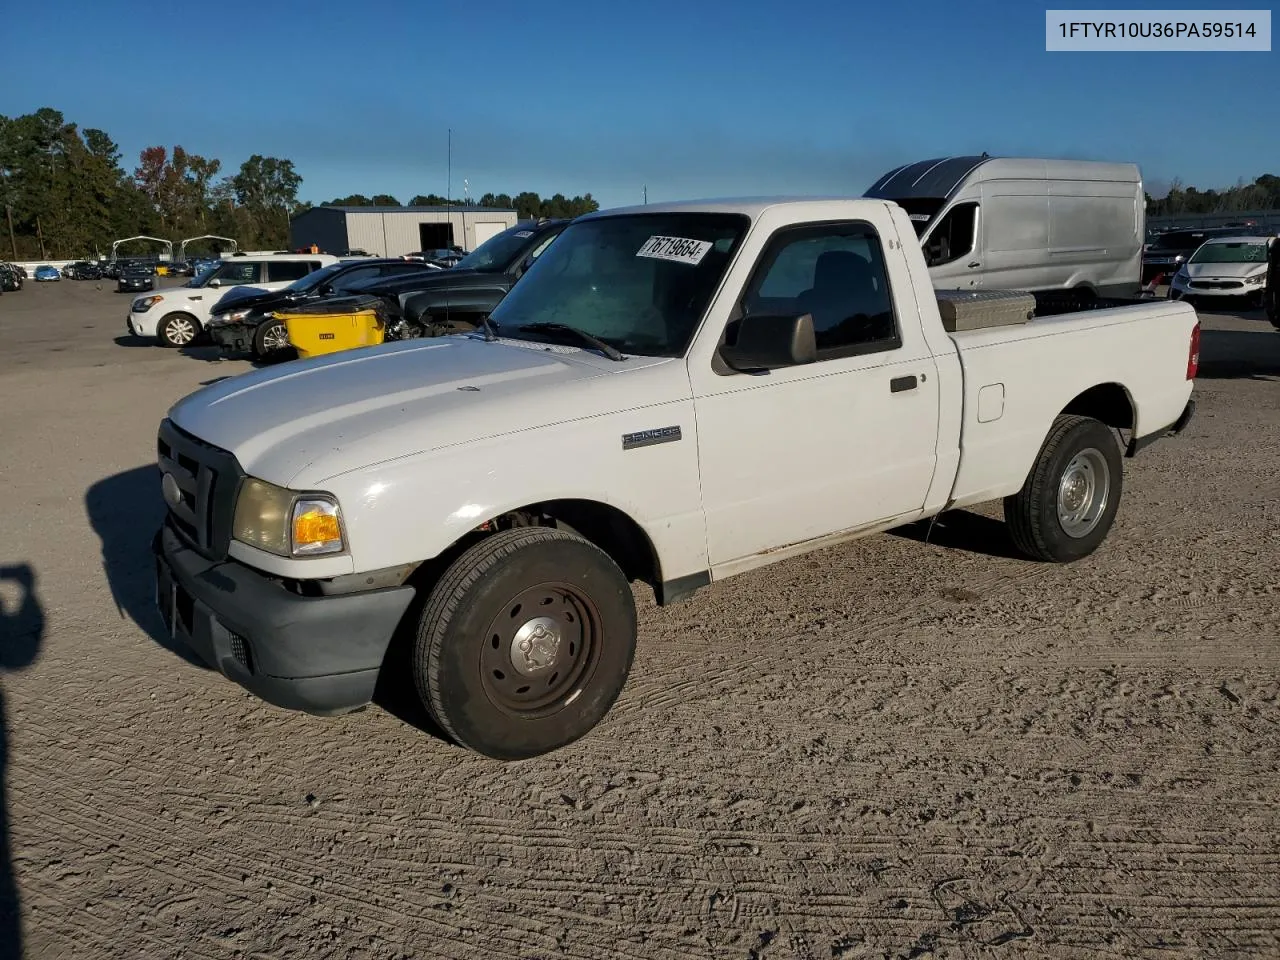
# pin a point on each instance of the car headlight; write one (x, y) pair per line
(287, 523)
(143, 304)
(1255, 281)
(222, 319)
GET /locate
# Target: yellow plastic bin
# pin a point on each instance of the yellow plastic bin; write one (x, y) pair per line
(319, 329)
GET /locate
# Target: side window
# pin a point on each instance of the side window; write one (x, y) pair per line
(836, 273)
(234, 273)
(352, 277)
(281, 271)
(953, 237)
(537, 251)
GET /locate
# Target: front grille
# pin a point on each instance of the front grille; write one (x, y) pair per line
(1215, 284)
(205, 480)
(241, 651)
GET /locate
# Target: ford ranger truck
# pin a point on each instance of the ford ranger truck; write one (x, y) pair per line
(672, 394)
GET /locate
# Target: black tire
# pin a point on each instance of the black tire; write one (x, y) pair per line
(178, 330)
(1087, 449)
(266, 330)
(464, 661)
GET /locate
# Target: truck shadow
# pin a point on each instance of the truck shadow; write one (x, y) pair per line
(22, 628)
(963, 530)
(396, 692)
(1239, 354)
(125, 511)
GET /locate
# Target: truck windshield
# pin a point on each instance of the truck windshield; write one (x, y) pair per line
(497, 253)
(1243, 252)
(639, 282)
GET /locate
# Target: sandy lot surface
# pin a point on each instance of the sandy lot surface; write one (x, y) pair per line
(889, 749)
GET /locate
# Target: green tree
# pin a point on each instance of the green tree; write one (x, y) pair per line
(267, 189)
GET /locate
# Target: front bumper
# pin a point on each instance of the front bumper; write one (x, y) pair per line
(137, 285)
(233, 337)
(320, 655)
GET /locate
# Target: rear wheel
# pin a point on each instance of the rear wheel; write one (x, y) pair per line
(525, 642)
(178, 330)
(271, 338)
(1069, 501)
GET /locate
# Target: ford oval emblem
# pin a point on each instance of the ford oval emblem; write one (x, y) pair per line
(169, 487)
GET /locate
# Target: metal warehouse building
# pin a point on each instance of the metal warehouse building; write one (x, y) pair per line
(395, 231)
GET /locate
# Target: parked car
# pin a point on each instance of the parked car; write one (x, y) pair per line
(177, 315)
(443, 300)
(242, 321)
(445, 257)
(674, 394)
(1271, 298)
(1012, 223)
(11, 277)
(1168, 252)
(82, 270)
(136, 277)
(1223, 268)
(46, 273)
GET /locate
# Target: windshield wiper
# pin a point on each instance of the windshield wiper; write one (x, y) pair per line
(611, 352)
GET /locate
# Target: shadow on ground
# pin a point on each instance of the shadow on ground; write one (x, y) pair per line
(962, 530)
(22, 626)
(396, 692)
(126, 510)
(1240, 354)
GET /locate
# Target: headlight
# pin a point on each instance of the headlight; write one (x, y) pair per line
(222, 319)
(1256, 281)
(287, 523)
(143, 304)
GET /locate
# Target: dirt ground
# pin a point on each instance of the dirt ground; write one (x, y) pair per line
(887, 749)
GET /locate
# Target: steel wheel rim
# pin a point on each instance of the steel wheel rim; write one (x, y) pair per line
(181, 331)
(539, 650)
(276, 337)
(1083, 493)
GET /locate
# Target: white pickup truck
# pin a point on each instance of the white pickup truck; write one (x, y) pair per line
(672, 394)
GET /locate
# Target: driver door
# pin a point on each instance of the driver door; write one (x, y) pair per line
(793, 454)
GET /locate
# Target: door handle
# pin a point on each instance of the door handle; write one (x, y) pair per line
(898, 384)
(974, 263)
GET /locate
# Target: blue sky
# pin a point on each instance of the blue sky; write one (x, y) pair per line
(692, 98)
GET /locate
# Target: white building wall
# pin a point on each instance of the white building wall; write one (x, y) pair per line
(396, 233)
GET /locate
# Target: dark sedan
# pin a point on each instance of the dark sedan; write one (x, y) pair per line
(134, 278)
(82, 270)
(242, 321)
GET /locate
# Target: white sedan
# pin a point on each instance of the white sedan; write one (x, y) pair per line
(1224, 267)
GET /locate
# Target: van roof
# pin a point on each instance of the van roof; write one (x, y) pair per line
(942, 177)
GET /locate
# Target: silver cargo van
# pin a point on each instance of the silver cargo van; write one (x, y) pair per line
(1005, 223)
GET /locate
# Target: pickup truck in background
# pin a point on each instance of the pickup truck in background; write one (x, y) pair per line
(672, 394)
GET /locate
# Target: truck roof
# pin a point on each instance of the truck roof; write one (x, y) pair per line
(751, 206)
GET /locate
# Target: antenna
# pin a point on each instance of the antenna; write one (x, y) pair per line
(466, 202)
(646, 194)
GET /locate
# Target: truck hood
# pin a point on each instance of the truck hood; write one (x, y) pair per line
(303, 422)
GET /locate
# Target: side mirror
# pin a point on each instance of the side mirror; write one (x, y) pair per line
(766, 342)
(326, 290)
(215, 283)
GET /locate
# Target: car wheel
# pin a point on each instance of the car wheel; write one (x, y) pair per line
(525, 643)
(1069, 500)
(178, 330)
(271, 338)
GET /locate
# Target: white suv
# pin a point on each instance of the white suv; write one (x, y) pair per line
(177, 315)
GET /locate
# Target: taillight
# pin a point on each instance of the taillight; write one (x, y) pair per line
(1193, 355)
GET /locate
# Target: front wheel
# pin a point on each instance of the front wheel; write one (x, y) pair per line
(271, 337)
(1069, 500)
(525, 643)
(178, 330)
